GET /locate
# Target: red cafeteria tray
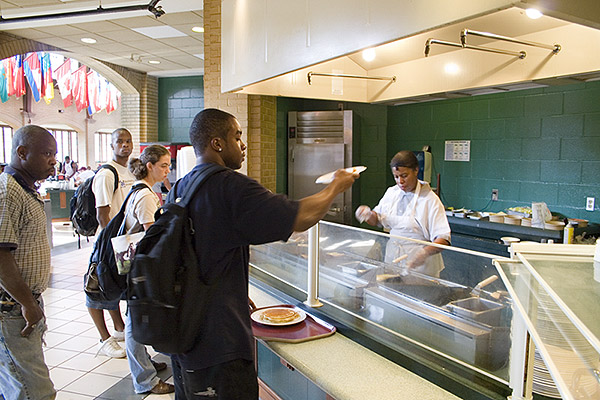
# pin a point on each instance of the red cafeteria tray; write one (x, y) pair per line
(309, 329)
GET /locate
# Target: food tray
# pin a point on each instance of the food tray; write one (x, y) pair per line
(309, 329)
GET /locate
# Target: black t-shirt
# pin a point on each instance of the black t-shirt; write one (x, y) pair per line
(230, 212)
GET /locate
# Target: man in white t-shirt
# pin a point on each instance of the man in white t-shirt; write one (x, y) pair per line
(108, 203)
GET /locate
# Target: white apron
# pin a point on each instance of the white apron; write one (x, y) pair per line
(406, 225)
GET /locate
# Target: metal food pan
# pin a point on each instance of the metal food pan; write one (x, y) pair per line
(478, 309)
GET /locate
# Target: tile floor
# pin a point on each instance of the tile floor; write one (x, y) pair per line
(72, 339)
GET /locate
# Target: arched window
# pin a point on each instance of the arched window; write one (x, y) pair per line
(103, 151)
(6, 135)
(66, 142)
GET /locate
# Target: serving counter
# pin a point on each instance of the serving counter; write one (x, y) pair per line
(464, 330)
(451, 330)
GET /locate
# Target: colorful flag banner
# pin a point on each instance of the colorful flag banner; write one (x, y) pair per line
(63, 78)
(93, 84)
(47, 84)
(3, 84)
(9, 66)
(79, 90)
(33, 72)
(18, 77)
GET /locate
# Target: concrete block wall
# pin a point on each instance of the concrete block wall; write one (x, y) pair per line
(531, 145)
(180, 99)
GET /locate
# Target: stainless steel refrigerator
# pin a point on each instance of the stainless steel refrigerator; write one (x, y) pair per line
(319, 142)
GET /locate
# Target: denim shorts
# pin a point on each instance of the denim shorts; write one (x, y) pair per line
(102, 305)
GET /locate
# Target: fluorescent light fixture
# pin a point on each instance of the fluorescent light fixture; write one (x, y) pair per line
(88, 40)
(200, 56)
(368, 55)
(159, 32)
(153, 62)
(533, 13)
(198, 29)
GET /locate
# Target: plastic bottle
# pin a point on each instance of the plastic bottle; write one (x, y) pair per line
(568, 233)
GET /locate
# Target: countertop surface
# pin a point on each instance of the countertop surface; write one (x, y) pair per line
(348, 371)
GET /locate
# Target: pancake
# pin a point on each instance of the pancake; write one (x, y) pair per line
(279, 315)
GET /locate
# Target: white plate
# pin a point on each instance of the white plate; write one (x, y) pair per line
(257, 316)
(328, 177)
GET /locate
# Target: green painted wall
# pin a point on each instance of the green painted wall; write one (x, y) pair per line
(179, 100)
(532, 145)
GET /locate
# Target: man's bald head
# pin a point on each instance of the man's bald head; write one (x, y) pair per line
(28, 136)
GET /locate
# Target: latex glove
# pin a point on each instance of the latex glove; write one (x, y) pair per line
(362, 213)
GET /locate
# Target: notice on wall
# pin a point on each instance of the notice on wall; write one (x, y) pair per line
(458, 150)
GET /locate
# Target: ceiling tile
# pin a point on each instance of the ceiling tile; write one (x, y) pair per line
(98, 26)
(181, 18)
(61, 30)
(153, 46)
(138, 22)
(58, 42)
(77, 38)
(181, 42)
(113, 47)
(30, 33)
(124, 35)
(159, 32)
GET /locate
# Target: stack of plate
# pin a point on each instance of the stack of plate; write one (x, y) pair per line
(572, 354)
(497, 218)
(512, 219)
(554, 225)
(526, 222)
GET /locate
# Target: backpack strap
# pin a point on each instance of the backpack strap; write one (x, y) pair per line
(134, 189)
(114, 171)
(192, 187)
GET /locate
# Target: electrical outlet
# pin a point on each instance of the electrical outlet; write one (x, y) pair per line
(589, 204)
(494, 194)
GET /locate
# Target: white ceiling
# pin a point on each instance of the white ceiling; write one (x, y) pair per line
(118, 36)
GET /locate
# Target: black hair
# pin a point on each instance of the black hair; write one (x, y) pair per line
(207, 124)
(151, 154)
(27, 136)
(406, 159)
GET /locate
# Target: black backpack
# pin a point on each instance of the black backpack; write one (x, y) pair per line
(83, 205)
(165, 294)
(102, 281)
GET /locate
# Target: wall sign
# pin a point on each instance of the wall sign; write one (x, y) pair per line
(458, 150)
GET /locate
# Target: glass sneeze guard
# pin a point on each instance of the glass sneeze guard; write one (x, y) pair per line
(557, 291)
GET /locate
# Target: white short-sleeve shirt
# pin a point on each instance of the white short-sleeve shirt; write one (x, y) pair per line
(104, 185)
(141, 207)
(429, 211)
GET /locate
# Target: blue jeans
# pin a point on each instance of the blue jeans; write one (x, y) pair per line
(143, 373)
(23, 371)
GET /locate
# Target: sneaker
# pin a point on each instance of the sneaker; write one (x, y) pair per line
(110, 348)
(119, 336)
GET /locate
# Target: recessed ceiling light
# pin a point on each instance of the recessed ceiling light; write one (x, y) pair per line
(153, 62)
(533, 13)
(88, 40)
(368, 55)
(451, 69)
(198, 29)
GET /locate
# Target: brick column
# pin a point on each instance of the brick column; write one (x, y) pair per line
(256, 114)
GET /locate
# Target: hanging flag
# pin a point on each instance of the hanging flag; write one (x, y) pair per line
(63, 78)
(9, 65)
(103, 93)
(47, 84)
(93, 85)
(79, 90)
(33, 72)
(3, 84)
(18, 77)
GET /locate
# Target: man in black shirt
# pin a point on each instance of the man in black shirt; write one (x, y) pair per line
(234, 211)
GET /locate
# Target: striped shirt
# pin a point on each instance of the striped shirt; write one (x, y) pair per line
(23, 230)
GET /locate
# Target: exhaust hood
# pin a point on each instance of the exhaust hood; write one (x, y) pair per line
(405, 75)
